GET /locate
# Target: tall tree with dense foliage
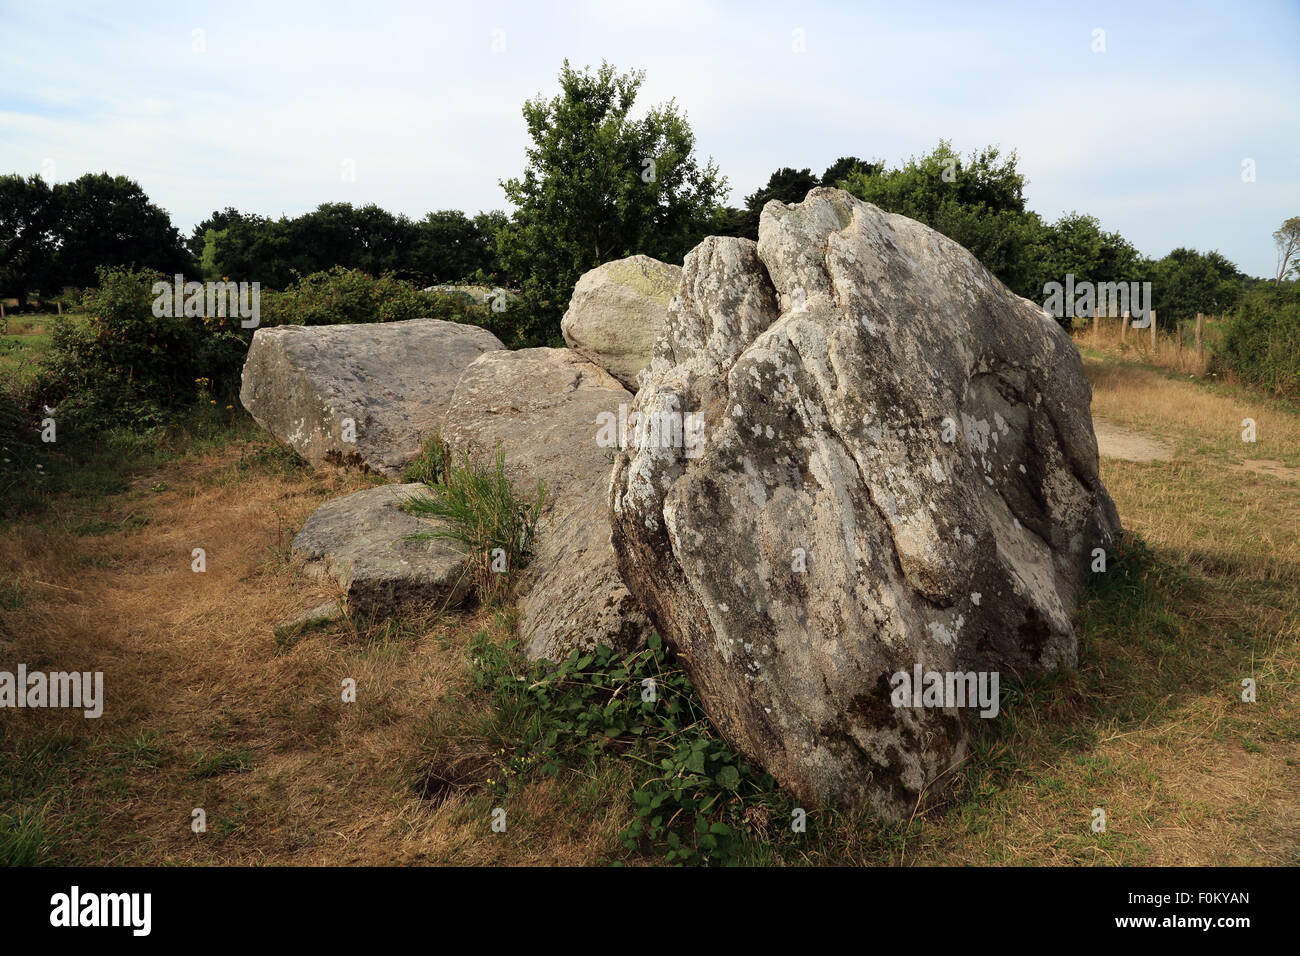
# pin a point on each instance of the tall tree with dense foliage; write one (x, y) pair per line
(27, 219)
(1187, 282)
(108, 220)
(977, 201)
(452, 246)
(197, 242)
(840, 170)
(600, 185)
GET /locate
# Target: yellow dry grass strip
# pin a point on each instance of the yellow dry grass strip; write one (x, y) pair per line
(191, 660)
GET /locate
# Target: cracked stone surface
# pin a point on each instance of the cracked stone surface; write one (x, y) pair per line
(391, 379)
(541, 407)
(363, 543)
(898, 468)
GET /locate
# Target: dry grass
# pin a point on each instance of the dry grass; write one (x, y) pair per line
(208, 708)
(1173, 350)
(198, 687)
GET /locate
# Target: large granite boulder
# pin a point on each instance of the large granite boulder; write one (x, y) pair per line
(379, 555)
(545, 409)
(617, 312)
(894, 468)
(365, 394)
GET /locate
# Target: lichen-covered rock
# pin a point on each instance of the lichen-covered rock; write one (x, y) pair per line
(543, 409)
(363, 542)
(617, 312)
(367, 394)
(895, 467)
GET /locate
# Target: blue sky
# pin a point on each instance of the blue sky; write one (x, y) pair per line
(263, 108)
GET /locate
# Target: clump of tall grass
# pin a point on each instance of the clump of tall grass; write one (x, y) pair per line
(433, 463)
(24, 838)
(482, 512)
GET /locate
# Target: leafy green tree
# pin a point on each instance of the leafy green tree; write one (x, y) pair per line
(730, 221)
(839, 170)
(255, 248)
(27, 218)
(108, 220)
(1187, 282)
(1077, 245)
(599, 185)
(925, 184)
(367, 238)
(217, 222)
(451, 246)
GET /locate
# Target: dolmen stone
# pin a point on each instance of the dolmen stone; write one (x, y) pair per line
(367, 394)
(893, 475)
(367, 544)
(617, 311)
(550, 412)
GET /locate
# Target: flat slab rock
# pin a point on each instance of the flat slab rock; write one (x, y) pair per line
(897, 470)
(391, 380)
(541, 408)
(362, 542)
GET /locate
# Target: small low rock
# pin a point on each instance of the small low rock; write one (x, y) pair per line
(363, 543)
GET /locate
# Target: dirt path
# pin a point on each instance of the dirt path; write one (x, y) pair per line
(1114, 441)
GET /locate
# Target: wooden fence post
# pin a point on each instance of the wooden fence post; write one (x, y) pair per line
(1123, 326)
(1153, 333)
(1200, 341)
(1096, 329)
(60, 305)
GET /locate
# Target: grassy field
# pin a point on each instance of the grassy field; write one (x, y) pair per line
(25, 338)
(213, 704)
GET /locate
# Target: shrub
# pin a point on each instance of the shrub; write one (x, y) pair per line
(119, 364)
(434, 462)
(484, 514)
(694, 797)
(348, 296)
(20, 448)
(1261, 339)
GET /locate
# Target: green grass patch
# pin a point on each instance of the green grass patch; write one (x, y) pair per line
(24, 838)
(481, 511)
(693, 799)
(433, 464)
(221, 761)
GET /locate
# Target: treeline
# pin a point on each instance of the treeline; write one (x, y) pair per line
(597, 184)
(53, 238)
(979, 202)
(444, 246)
